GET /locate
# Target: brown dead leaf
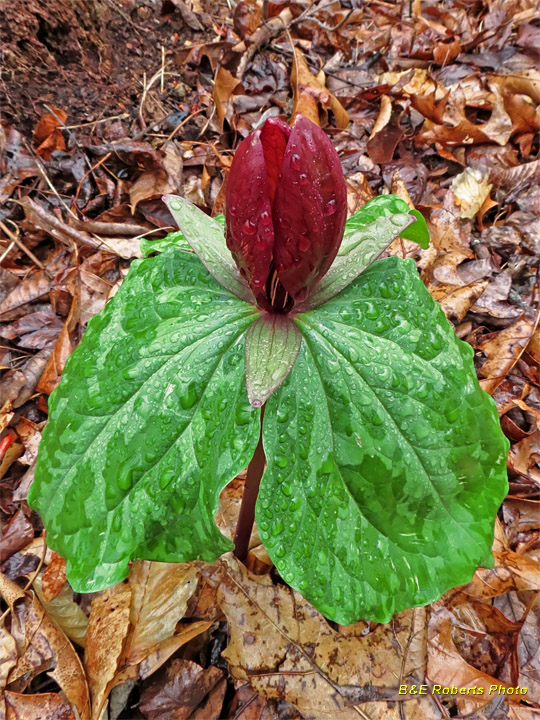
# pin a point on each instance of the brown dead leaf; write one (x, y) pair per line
(512, 572)
(54, 577)
(12, 453)
(105, 636)
(142, 636)
(247, 705)
(35, 330)
(41, 706)
(65, 612)
(62, 349)
(386, 134)
(160, 593)
(8, 660)
(445, 664)
(42, 647)
(310, 92)
(524, 457)
(47, 136)
(15, 535)
(35, 285)
(224, 86)
(284, 649)
(185, 690)
(48, 123)
(166, 177)
(358, 192)
(503, 349)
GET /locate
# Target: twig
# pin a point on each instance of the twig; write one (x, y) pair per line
(43, 172)
(14, 237)
(7, 251)
(97, 122)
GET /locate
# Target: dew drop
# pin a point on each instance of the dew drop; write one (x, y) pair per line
(304, 243)
(265, 218)
(296, 162)
(249, 227)
(303, 179)
(330, 208)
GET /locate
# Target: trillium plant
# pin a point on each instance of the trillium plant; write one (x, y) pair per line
(280, 343)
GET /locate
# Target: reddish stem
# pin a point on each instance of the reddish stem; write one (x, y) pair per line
(246, 517)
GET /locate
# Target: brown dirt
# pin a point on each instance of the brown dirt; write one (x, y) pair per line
(88, 58)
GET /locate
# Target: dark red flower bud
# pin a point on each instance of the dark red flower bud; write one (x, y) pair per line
(286, 206)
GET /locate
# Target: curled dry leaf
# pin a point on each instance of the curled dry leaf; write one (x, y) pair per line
(503, 349)
(160, 593)
(42, 647)
(8, 660)
(524, 457)
(105, 636)
(16, 534)
(310, 91)
(471, 189)
(132, 628)
(185, 690)
(62, 349)
(54, 577)
(65, 612)
(224, 86)
(512, 572)
(165, 177)
(286, 650)
(41, 706)
(445, 661)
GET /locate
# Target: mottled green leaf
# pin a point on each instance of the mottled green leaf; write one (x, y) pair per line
(206, 237)
(386, 461)
(174, 239)
(150, 421)
(272, 345)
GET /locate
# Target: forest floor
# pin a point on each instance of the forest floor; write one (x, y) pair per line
(108, 105)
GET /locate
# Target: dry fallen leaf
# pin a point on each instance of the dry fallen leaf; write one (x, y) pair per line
(471, 189)
(185, 690)
(65, 612)
(40, 706)
(42, 647)
(105, 636)
(503, 349)
(286, 650)
(310, 91)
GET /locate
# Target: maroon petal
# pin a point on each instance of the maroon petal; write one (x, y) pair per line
(274, 136)
(310, 209)
(248, 215)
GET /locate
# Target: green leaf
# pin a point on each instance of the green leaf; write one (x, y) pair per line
(272, 345)
(206, 237)
(358, 250)
(384, 206)
(150, 421)
(174, 239)
(386, 461)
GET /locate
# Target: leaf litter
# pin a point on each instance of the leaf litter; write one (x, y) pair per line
(107, 107)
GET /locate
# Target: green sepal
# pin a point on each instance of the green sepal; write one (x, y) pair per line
(386, 460)
(272, 345)
(207, 239)
(150, 421)
(358, 250)
(384, 206)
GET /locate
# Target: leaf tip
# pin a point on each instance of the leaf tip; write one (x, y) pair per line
(173, 202)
